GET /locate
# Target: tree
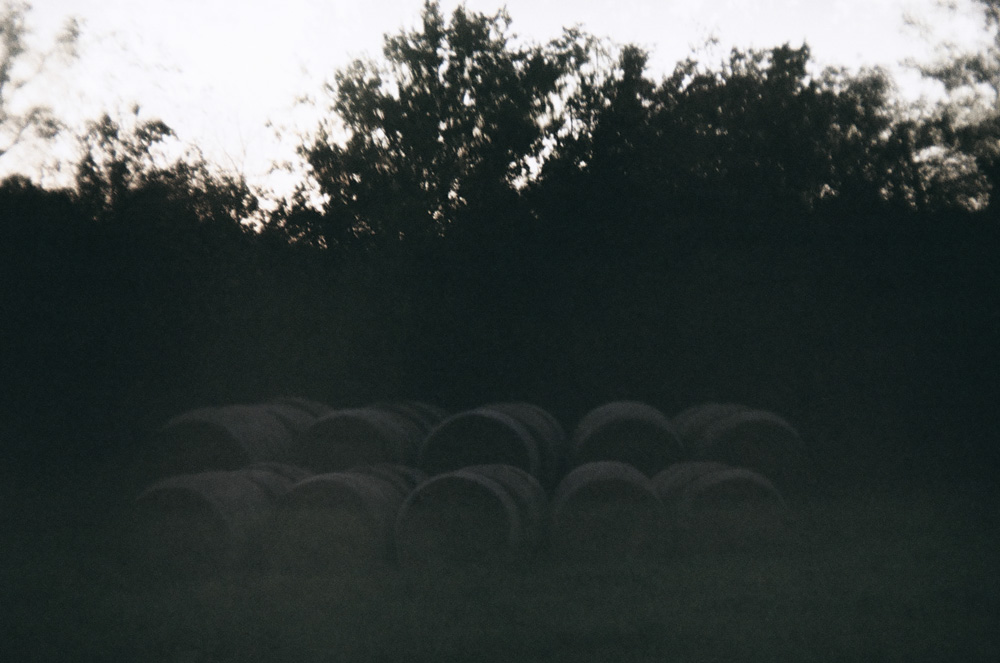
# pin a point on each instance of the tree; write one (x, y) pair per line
(759, 135)
(960, 140)
(137, 170)
(442, 133)
(18, 67)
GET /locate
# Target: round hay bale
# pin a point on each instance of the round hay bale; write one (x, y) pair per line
(462, 517)
(293, 473)
(482, 436)
(358, 436)
(671, 482)
(404, 477)
(314, 408)
(205, 523)
(295, 419)
(690, 423)
(606, 511)
(549, 436)
(730, 509)
(217, 438)
(629, 432)
(424, 415)
(334, 521)
(527, 493)
(758, 440)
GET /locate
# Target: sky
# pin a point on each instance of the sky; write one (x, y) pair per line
(219, 71)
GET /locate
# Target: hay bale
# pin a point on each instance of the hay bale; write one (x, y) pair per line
(309, 406)
(691, 423)
(549, 436)
(527, 493)
(730, 509)
(758, 440)
(423, 415)
(295, 419)
(358, 436)
(205, 523)
(672, 481)
(217, 438)
(628, 432)
(606, 511)
(292, 473)
(482, 436)
(334, 521)
(463, 517)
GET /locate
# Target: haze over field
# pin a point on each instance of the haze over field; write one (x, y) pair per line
(219, 74)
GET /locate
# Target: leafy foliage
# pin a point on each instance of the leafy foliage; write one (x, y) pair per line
(442, 133)
(18, 67)
(960, 140)
(759, 136)
(130, 171)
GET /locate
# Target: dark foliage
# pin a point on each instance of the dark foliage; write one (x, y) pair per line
(517, 223)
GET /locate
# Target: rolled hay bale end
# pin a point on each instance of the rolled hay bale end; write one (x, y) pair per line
(606, 511)
(731, 509)
(629, 432)
(294, 418)
(461, 518)
(425, 416)
(358, 436)
(334, 522)
(403, 477)
(760, 441)
(203, 524)
(548, 434)
(217, 438)
(671, 482)
(691, 423)
(482, 436)
(290, 472)
(276, 478)
(311, 407)
(528, 494)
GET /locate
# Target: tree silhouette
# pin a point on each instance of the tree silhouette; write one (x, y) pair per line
(759, 136)
(961, 138)
(18, 67)
(439, 135)
(134, 170)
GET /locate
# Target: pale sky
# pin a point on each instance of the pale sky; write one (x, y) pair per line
(218, 70)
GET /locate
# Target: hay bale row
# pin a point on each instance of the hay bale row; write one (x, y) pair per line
(405, 479)
(288, 429)
(605, 511)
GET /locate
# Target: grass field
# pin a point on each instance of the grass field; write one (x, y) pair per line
(884, 575)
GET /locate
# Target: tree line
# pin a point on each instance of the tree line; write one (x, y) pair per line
(483, 219)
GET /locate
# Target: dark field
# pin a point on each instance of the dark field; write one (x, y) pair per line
(881, 347)
(869, 574)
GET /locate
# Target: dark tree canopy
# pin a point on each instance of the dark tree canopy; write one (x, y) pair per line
(128, 172)
(758, 136)
(442, 132)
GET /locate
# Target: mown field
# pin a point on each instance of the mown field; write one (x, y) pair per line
(869, 574)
